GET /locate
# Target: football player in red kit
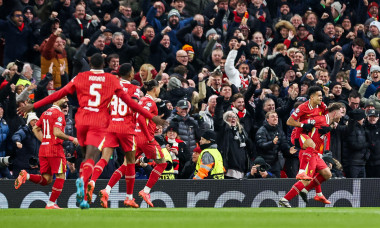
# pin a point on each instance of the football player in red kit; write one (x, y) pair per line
(145, 144)
(312, 146)
(49, 130)
(95, 90)
(121, 131)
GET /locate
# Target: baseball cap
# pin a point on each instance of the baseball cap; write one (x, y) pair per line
(372, 112)
(182, 104)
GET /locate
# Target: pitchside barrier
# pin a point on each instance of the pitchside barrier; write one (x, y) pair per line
(201, 193)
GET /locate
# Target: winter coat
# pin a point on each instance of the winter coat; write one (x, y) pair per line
(159, 53)
(265, 146)
(373, 133)
(4, 130)
(188, 129)
(373, 97)
(30, 147)
(355, 145)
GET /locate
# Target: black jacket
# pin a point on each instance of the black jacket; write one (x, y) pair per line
(265, 146)
(355, 145)
(373, 133)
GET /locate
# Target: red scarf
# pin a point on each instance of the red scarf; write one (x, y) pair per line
(370, 16)
(240, 114)
(21, 27)
(244, 81)
(145, 39)
(239, 19)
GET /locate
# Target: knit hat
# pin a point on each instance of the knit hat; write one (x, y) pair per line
(357, 114)
(373, 4)
(172, 127)
(368, 21)
(174, 83)
(332, 84)
(31, 116)
(375, 68)
(337, 6)
(369, 51)
(187, 48)
(259, 161)
(211, 31)
(197, 150)
(369, 103)
(375, 23)
(173, 12)
(209, 135)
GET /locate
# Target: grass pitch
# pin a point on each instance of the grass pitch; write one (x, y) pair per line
(191, 217)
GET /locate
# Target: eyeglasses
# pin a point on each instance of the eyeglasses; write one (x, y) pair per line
(231, 117)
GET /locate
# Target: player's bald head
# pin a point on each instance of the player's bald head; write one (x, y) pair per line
(97, 61)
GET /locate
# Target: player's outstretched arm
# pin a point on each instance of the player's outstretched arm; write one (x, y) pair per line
(292, 122)
(59, 134)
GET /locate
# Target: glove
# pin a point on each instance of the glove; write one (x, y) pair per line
(324, 130)
(219, 99)
(307, 127)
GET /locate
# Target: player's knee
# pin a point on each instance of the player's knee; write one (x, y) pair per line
(305, 183)
(326, 173)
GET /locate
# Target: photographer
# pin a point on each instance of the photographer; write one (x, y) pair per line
(260, 169)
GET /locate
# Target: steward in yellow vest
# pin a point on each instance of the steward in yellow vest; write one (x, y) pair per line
(210, 162)
(168, 173)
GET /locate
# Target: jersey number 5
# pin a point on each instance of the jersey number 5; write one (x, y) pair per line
(93, 91)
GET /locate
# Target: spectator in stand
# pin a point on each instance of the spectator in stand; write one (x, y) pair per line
(4, 131)
(53, 52)
(355, 152)
(233, 142)
(177, 148)
(189, 129)
(270, 141)
(17, 35)
(372, 127)
(161, 48)
(113, 62)
(182, 59)
(374, 97)
(28, 145)
(353, 101)
(260, 169)
(79, 27)
(209, 112)
(102, 8)
(189, 168)
(126, 52)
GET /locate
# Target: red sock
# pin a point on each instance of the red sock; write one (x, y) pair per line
(318, 188)
(88, 168)
(295, 190)
(81, 169)
(155, 174)
(57, 189)
(318, 180)
(130, 175)
(98, 169)
(305, 157)
(37, 179)
(117, 175)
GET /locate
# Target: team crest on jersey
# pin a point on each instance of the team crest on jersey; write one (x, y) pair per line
(59, 119)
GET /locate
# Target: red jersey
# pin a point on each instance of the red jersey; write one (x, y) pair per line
(51, 146)
(94, 91)
(321, 141)
(148, 127)
(123, 119)
(304, 112)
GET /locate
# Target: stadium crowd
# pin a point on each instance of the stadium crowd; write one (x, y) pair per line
(230, 71)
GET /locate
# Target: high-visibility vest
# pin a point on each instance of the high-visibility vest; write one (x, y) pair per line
(217, 172)
(167, 174)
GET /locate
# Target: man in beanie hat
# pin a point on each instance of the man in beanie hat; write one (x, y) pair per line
(373, 130)
(27, 146)
(210, 162)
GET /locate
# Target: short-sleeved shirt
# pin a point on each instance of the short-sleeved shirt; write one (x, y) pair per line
(51, 146)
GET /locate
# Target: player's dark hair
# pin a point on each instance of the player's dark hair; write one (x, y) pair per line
(125, 69)
(150, 85)
(97, 61)
(335, 106)
(313, 89)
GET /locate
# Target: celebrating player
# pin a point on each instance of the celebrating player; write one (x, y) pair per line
(313, 145)
(121, 131)
(146, 145)
(94, 91)
(49, 130)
